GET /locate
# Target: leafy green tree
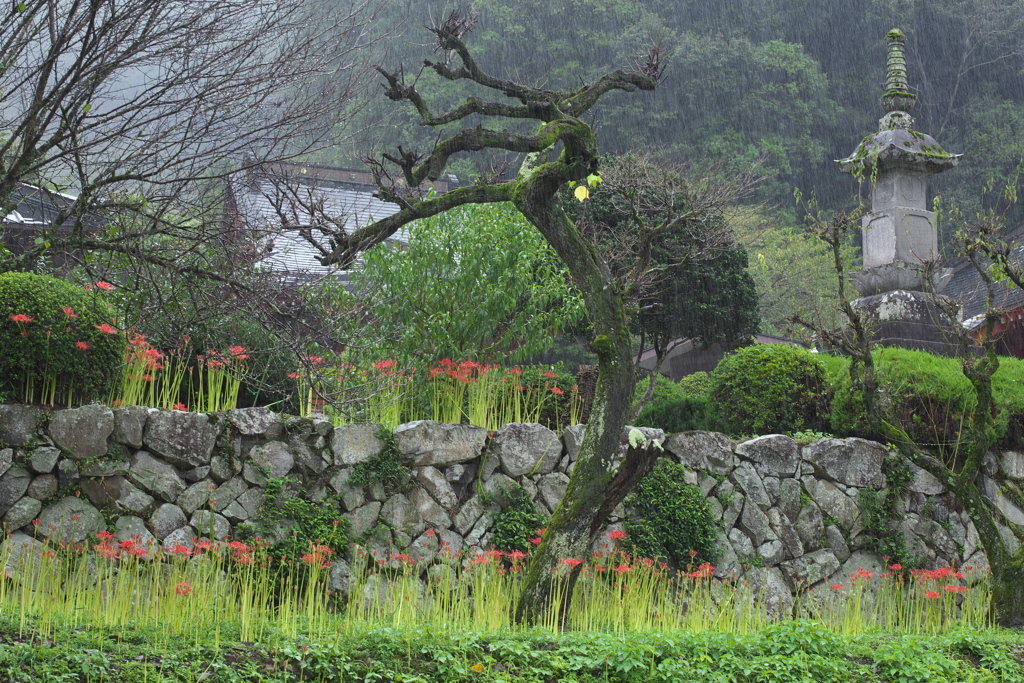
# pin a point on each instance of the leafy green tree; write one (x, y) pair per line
(476, 283)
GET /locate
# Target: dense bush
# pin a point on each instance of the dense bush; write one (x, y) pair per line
(767, 388)
(518, 522)
(672, 517)
(930, 395)
(56, 337)
(696, 384)
(671, 408)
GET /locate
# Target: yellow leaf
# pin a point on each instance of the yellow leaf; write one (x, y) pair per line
(582, 192)
(479, 668)
(593, 179)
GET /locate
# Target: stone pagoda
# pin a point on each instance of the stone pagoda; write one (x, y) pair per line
(899, 284)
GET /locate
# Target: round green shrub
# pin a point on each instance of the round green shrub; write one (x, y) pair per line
(47, 348)
(770, 388)
(696, 384)
(672, 517)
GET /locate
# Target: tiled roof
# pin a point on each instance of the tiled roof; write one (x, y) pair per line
(967, 288)
(264, 209)
(36, 206)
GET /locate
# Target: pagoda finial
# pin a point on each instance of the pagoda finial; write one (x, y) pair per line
(896, 100)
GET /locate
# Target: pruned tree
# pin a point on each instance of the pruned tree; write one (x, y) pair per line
(596, 486)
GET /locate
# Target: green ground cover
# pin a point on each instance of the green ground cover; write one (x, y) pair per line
(783, 652)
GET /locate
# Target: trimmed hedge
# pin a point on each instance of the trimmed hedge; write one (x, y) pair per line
(45, 344)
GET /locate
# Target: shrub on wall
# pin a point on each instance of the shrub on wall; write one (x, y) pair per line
(769, 388)
(58, 343)
(672, 517)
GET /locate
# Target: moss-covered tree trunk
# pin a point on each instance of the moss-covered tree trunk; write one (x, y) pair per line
(596, 485)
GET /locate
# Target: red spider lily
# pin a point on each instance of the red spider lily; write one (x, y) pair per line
(836, 586)
(932, 595)
(517, 556)
(617, 535)
(896, 567)
(571, 562)
(183, 588)
(550, 375)
(861, 574)
(106, 329)
(574, 387)
(556, 391)
(84, 346)
(182, 550)
(956, 589)
(536, 540)
(21, 318)
(622, 569)
(704, 571)
(294, 375)
(179, 406)
(69, 312)
(385, 364)
(104, 536)
(105, 286)
(516, 371)
(430, 532)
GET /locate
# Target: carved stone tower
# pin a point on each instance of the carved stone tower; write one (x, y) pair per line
(899, 282)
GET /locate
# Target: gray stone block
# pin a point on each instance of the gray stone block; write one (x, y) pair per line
(82, 432)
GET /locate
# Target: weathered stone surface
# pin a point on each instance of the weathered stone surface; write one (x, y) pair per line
(774, 454)
(16, 545)
(526, 448)
(728, 563)
(42, 487)
(103, 467)
(221, 468)
(784, 529)
(226, 493)
(71, 520)
(252, 421)
(741, 544)
(769, 584)
(355, 443)
(117, 492)
(747, 480)
(437, 485)
(852, 566)
(552, 488)
(433, 443)
(363, 519)
(498, 488)
(399, 513)
(924, 483)
(789, 497)
(835, 542)
(989, 464)
(572, 437)
(275, 457)
(772, 552)
(424, 547)
(250, 501)
(196, 474)
(67, 473)
(352, 497)
(809, 569)
(195, 496)
(853, 462)
(185, 439)
(82, 432)
(6, 458)
(18, 423)
(129, 426)
(166, 519)
(307, 458)
(184, 536)
(703, 451)
(200, 521)
(432, 514)
(131, 528)
(44, 459)
(22, 512)
(155, 476)
(754, 522)
(1010, 462)
(468, 515)
(13, 485)
(810, 527)
(1010, 512)
(834, 503)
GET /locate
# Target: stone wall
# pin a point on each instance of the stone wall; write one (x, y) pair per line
(791, 511)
